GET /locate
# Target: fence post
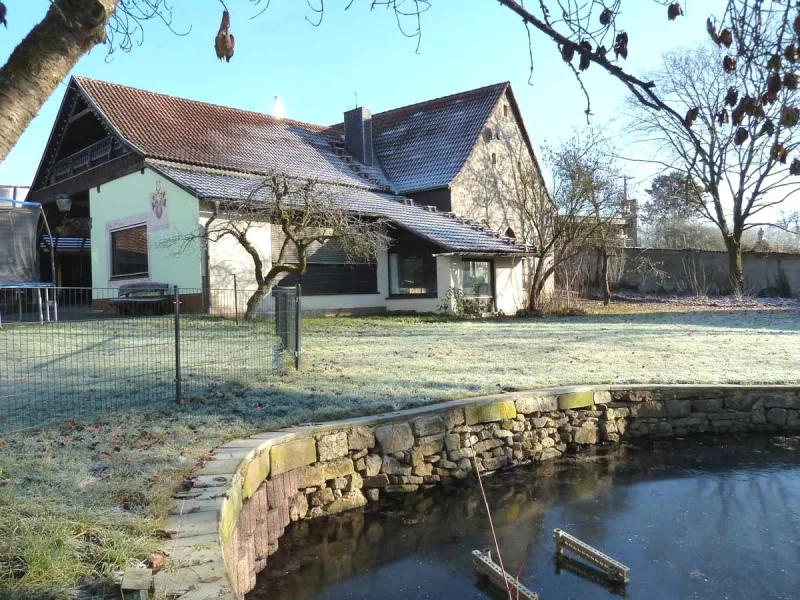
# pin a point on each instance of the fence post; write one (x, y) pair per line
(177, 345)
(297, 329)
(235, 300)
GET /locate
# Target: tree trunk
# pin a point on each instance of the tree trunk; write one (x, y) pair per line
(604, 277)
(735, 264)
(255, 300)
(44, 58)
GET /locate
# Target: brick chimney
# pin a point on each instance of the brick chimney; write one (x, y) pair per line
(358, 134)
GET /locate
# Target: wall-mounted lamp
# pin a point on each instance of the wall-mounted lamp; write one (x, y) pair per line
(64, 203)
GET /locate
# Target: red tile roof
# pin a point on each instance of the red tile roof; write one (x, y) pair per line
(209, 135)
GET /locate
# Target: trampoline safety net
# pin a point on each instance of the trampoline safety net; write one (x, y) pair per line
(19, 224)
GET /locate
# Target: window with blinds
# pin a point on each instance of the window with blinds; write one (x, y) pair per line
(129, 252)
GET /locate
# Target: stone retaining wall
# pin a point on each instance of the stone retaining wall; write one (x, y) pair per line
(231, 519)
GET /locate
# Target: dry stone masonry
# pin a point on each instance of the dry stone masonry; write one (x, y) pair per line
(243, 500)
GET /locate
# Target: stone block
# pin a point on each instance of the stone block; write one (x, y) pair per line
(780, 400)
(757, 417)
(311, 476)
(428, 426)
(452, 441)
(548, 454)
(336, 468)
(742, 401)
(707, 405)
(678, 408)
(373, 495)
(373, 463)
(648, 409)
(348, 501)
(376, 481)
(586, 434)
(332, 446)
(602, 397)
(403, 488)
(395, 437)
(776, 416)
(453, 418)
(292, 455)
(576, 400)
(361, 438)
(536, 404)
(483, 446)
(487, 413)
(632, 395)
(322, 497)
(392, 466)
(431, 447)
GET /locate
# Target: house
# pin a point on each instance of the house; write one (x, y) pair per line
(141, 168)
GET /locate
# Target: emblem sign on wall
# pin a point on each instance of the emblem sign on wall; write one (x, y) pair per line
(159, 214)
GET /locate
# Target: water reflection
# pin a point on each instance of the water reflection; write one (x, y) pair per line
(700, 519)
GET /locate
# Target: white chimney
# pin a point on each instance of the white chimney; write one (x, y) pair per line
(278, 110)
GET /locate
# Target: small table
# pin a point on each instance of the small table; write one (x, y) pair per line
(44, 308)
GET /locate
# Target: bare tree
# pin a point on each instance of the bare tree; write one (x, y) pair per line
(576, 217)
(308, 214)
(737, 133)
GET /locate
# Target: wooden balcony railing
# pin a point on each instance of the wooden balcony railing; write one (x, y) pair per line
(96, 154)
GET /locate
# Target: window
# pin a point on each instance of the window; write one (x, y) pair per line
(505, 110)
(487, 134)
(412, 275)
(129, 252)
(476, 278)
(494, 158)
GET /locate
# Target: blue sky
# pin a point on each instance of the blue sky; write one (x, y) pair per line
(318, 71)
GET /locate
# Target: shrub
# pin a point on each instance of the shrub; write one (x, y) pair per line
(456, 302)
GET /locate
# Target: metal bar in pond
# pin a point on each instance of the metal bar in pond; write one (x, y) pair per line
(614, 570)
(499, 578)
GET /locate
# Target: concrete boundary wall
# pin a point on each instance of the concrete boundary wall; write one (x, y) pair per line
(229, 519)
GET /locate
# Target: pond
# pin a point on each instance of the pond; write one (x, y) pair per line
(694, 518)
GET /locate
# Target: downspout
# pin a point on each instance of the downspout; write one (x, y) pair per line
(207, 271)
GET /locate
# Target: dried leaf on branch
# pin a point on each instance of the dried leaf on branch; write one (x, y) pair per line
(729, 64)
(586, 51)
(621, 45)
(794, 168)
(775, 62)
(567, 53)
(796, 25)
(790, 81)
(778, 153)
(789, 116)
(606, 16)
(224, 42)
(726, 38)
(674, 11)
(740, 137)
(791, 53)
(732, 97)
(712, 31)
(3, 13)
(768, 128)
(774, 83)
(723, 117)
(691, 116)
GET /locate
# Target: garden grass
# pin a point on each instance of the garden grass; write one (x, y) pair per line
(81, 500)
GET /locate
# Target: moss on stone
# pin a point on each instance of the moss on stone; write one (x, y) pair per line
(292, 455)
(576, 400)
(255, 473)
(487, 413)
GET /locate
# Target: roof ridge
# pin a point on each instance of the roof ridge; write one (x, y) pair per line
(502, 84)
(315, 126)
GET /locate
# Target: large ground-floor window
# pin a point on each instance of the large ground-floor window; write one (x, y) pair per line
(129, 252)
(412, 275)
(476, 278)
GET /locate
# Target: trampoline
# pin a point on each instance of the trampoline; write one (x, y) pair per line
(20, 225)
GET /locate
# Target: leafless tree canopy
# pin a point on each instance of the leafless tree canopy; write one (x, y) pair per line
(309, 214)
(578, 217)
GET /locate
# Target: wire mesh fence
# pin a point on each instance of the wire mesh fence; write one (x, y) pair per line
(74, 352)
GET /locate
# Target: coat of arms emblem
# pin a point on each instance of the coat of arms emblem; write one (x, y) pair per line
(158, 200)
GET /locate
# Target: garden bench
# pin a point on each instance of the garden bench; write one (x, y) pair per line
(146, 298)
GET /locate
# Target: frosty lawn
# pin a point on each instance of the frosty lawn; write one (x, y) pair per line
(80, 501)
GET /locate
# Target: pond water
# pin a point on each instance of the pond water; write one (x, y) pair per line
(699, 518)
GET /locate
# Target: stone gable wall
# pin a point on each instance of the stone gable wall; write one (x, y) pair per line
(242, 501)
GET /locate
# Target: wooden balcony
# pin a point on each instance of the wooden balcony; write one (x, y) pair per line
(101, 152)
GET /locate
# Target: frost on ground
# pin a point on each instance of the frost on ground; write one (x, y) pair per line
(82, 499)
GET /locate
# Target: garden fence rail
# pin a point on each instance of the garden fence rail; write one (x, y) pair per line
(69, 353)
